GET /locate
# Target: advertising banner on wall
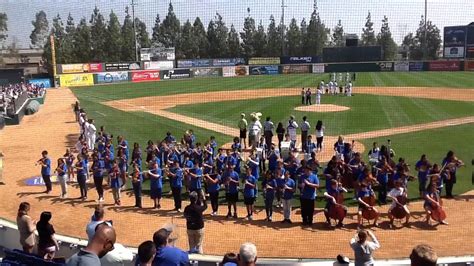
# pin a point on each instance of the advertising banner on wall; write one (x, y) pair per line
(146, 75)
(206, 72)
(470, 41)
(295, 69)
(386, 66)
(444, 66)
(454, 41)
(42, 83)
(158, 65)
(194, 63)
(288, 60)
(112, 77)
(96, 67)
(264, 61)
(73, 68)
(401, 66)
(73, 80)
(318, 68)
(228, 62)
(157, 54)
(469, 65)
(122, 66)
(235, 71)
(175, 74)
(263, 70)
(415, 66)
(454, 52)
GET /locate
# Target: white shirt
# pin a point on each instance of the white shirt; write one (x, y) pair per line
(320, 133)
(268, 126)
(255, 128)
(305, 126)
(374, 153)
(395, 192)
(91, 130)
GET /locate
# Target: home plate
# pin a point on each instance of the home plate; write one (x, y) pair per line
(322, 108)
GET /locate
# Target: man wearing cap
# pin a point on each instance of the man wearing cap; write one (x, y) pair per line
(195, 222)
(243, 129)
(291, 129)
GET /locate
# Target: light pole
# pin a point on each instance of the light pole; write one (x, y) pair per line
(283, 27)
(134, 31)
(425, 49)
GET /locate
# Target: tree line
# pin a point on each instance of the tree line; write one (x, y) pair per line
(110, 40)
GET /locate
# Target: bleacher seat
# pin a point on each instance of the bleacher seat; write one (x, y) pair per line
(19, 258)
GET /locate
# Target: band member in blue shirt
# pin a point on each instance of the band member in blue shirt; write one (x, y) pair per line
(98, 170)
(250, 183)
(310, 183)
(137, 181)
(213, 186)
(45, 163)
(231, 181)
(156, 184)
(176, 175)
(289, 188)
(269, 187)
(81, 168)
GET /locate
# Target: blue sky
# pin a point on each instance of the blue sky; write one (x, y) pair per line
(404, 15)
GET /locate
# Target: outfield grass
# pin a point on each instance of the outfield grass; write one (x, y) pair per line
(384, 112)
(367, 113)
(396, 79)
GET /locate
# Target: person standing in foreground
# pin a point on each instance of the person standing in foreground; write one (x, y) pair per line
(102, 243)
(247, 254)
(363, 248)
(45, 163)
(268, 128)
(26, 227)
(146, 253)
(166, 253)
(243, 129)
(423, 255)
(195, 222)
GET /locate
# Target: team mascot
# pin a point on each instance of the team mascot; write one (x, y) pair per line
(255, 129)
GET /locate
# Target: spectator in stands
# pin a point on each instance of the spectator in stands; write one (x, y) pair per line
(363, 249)
(247, 255)
(195, 222)
(47, 244)
(26, 227)
(230, 259)
(146, 253)
(165, 253)
(102, 243)
(96, 219)
(423, 255)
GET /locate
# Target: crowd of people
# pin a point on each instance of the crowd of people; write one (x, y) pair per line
(102, 248)
(9, 93)
(202, 170)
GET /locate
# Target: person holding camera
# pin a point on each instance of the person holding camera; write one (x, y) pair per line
(363, 248)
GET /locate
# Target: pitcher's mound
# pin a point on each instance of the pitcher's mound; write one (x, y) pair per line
(322, 108)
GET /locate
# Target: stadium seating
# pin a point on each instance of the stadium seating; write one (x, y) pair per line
(18, 257)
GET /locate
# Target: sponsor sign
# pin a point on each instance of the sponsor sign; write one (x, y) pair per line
(228, 62)
(228, 71)
(318, 68)
(469, 65)
(287, 60)
(122, 66)
(157, 54)
(241, 70)
(264, 61)
(415, 66)
(73, 80)
(295, 69)
(38, 180)
(234, 71)
(206, 72)
(385, 66)
(454, 36)
(470, 41)
(263, 70)
(96, 67)
(158, 65)
(454, 52)
(444, 66)
(112, 77)
(141, 76)
(74, 68)
(175, 74)
(401, 66)
(42, 83)
(194, 63)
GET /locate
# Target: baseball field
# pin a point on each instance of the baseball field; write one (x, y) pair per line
(421, 113)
